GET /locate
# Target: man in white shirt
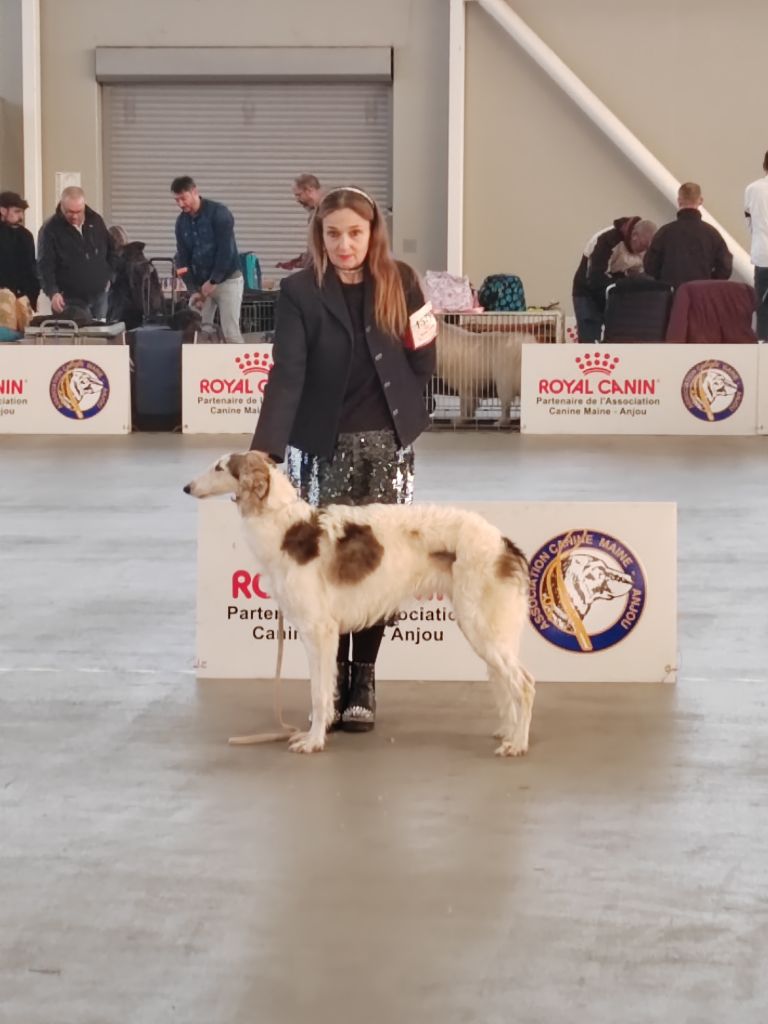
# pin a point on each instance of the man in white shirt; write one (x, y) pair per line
(756, 212)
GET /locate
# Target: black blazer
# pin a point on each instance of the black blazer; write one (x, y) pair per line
(312, 358)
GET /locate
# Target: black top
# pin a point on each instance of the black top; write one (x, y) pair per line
(688, 249)
(364, 406)
(77, 263)
(592, 276)
(313, 354)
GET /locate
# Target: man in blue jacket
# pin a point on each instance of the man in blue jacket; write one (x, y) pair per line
(206, 252)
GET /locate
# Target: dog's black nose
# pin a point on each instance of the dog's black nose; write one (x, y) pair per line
(188, 489)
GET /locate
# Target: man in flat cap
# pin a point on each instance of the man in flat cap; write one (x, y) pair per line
(18, 270)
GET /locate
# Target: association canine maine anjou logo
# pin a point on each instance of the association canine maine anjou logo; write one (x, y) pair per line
(587, 591)
(597, 376)
(79, 389)
(249, 377)
(712, 390)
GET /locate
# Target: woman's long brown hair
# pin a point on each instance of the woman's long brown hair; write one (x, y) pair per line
(389, 308)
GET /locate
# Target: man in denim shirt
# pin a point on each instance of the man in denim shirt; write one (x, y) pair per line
(207, 253)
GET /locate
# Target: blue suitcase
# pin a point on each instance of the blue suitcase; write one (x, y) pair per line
(156, 378)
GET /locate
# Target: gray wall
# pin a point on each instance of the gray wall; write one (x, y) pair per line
(11, 124)
(417, 29)
(686, 76)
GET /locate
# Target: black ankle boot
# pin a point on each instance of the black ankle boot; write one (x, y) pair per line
(360, 712)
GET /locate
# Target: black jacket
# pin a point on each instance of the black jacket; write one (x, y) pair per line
(18, 270)
(79, 265)
(592, 275)
(135, 295)
(312, 357)
(688, 249)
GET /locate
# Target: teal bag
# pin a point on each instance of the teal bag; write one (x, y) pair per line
(249, 264)
(502, 293)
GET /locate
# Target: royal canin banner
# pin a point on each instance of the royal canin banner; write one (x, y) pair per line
(640, 389)
(602, 600)
(223, 387)
(64, 389)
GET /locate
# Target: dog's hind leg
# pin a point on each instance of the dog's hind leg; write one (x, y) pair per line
(320, 642)
(513, 686)
(516, 717)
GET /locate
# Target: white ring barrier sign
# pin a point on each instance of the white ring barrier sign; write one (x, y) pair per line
(64, 389)
(639, 389)
(223, 387)
(603, 600)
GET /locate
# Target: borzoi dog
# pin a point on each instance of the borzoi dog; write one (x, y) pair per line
(342, 568)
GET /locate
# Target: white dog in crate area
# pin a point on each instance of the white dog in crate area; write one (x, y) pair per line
(342, 568)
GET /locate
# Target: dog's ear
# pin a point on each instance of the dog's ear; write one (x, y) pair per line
(235, 464)
(253, 474)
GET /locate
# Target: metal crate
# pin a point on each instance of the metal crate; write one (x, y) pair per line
(257, 313)
(479, 355)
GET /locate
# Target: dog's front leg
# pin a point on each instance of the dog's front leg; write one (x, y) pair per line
(320, 643)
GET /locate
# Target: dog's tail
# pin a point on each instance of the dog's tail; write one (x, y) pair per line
(512, 563)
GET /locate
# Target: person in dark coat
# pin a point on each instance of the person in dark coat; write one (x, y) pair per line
(136, 294)
(610, 255)
(688, 249)
(18, 270)
(76, 256)
(346, 394)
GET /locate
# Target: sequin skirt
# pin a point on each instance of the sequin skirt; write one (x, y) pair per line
(366, 467)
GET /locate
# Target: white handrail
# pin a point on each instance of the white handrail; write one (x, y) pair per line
(32, 113)
(605, 119)
(456, 84)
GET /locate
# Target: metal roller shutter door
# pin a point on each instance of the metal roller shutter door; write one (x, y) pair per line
(243, 144)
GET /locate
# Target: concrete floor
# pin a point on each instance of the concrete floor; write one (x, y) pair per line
(151, 873)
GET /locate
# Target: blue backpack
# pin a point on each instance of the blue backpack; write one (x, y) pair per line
(502, 293)
(249, 264)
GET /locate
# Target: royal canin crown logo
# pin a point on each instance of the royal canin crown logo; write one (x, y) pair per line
(602, 363)
(254, 362)
(249, 363)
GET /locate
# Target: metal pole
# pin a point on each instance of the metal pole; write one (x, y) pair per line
(456, 80)
(32, 113)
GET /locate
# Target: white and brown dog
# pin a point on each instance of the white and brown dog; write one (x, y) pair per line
(342, 568)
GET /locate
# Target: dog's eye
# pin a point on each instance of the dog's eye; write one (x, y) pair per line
(218, 468)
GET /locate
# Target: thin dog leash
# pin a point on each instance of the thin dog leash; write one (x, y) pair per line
(288, 729)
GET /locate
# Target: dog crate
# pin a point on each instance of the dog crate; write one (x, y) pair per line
(257, 313)
(476, 384)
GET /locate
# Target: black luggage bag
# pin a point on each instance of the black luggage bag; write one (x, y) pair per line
(637, 310)
(156, 363)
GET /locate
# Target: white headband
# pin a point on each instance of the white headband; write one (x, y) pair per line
(351, 188)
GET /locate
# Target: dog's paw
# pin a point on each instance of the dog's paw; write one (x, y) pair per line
(306, 743)
(510, 748)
